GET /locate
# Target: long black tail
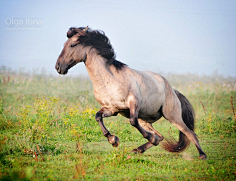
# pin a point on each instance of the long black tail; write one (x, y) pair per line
(188, 118)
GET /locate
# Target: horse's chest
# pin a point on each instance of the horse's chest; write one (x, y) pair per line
(110, 97)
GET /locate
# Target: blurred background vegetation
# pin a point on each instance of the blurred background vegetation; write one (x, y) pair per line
(44, 118)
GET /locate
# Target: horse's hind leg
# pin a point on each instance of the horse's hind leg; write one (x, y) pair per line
(179, 111)
(148, 127)
(104, 112)
(143, 148)
(191, 136)
(178, 122)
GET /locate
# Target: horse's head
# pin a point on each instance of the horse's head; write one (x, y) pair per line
(72, 52)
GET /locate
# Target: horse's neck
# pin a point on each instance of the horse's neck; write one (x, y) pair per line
(98, 70)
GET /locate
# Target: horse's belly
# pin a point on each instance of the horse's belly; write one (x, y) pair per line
(149, 112)
(150, 107)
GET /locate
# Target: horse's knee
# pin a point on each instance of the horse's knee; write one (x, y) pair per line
(134, 122)
(98, 116)
(154, 140)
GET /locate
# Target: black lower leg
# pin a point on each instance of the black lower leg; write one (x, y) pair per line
(134, 122)
(202, 155)
(99, 119)
(150, 137)
(111, 138)
(143, 148)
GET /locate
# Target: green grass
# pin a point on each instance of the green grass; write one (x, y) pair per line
(48, 132)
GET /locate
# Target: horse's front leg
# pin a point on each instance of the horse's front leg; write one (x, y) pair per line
(105, 112)
(134, 110)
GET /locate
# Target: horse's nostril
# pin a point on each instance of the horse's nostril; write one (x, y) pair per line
(57, 66)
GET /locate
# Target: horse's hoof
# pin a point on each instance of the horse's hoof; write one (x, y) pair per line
(202, 157)
(114, 140)
(116, 144)
(135, 151)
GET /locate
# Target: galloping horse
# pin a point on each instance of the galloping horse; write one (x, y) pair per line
(142, 97)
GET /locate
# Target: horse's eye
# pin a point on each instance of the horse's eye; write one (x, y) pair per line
(73, 45)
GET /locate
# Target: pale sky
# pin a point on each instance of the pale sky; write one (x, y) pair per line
(162, 36)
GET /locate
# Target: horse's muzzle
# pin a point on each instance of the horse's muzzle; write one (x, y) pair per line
(61, 69)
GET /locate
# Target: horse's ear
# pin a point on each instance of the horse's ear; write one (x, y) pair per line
(71, 32)
(80, 32)
(86, 29)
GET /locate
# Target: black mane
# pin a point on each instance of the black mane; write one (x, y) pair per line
(98, 40)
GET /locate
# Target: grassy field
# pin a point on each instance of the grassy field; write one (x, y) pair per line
(48, 132)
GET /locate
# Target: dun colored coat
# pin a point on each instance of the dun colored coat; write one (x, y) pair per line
(142, 97)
